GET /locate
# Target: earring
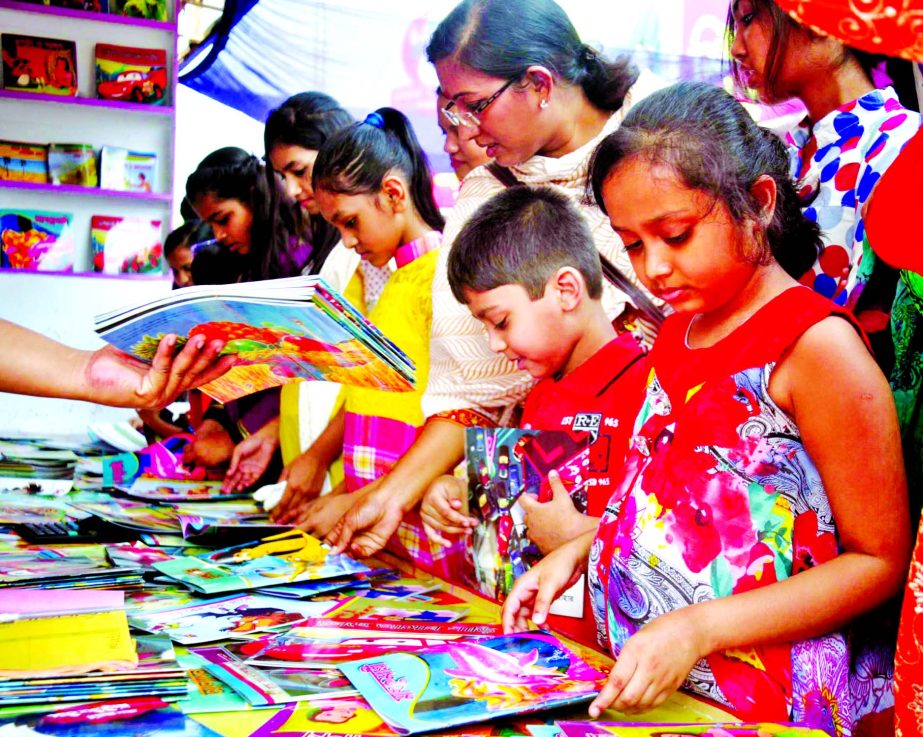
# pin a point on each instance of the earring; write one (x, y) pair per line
(543, 104)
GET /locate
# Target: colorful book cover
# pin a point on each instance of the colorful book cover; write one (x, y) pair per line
(130, 73)
(150, 9)
(279, 559)
(351, 715)
(502, 465)
(220, 530)
(148, 716)
(278, 331)
(24, 162)
(171, 490)
(72, 163)
(36, 240)
(92, 6)
(466, 682)
(223, 618)
(127, 171)
(35, 64)
(619, 729)
(126, 245)
(358, 607)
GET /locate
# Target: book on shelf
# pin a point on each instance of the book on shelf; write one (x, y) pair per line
(72, 163)
(24, 162)
(502, 465)
(149, 9)
(127, 171)
(93, 6)
(126, 245)
(131, 74)
(47, 66)
(36, 240)
(467, 682)
(278, 331)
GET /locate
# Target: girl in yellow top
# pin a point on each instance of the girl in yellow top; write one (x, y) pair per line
(373, 182)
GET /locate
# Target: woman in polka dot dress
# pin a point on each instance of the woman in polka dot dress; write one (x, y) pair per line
(851, 135)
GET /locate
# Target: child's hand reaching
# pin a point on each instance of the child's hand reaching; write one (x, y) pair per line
(553, 523)
(535, 590)
(653, 664)
(441, 508)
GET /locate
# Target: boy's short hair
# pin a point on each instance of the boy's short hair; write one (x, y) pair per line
(523, 235)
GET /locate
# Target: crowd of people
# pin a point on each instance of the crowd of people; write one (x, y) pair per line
(729, 302)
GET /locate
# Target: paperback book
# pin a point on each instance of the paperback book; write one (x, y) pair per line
(47, 66)
(358, 607)
(132, 74)
(150, 9)
(223, 618)
(164, 491)
(126, 245)
(24, 162)
(278, 331)
(127, 171)
(466, 682)
(36, 240)
(279, 559)
(620, 729)
(72, 163)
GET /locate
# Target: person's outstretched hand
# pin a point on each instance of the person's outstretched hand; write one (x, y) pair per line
(249, 461)
(368, 524)
(113, 377)
(441, 510)
(305, 479)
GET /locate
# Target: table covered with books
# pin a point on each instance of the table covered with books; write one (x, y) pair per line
(172, 611)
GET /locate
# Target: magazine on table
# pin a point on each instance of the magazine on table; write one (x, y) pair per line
(278, 331)
(466, 682)
(503, 464)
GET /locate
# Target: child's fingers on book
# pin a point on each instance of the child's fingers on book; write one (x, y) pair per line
(433, 533)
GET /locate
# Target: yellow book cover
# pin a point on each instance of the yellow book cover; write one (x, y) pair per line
(71, 643)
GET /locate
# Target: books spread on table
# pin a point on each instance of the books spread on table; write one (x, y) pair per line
(652, 729)
(466, 682)
(278, 331)
(503, 464)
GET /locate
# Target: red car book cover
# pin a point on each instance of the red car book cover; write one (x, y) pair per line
(131, 74)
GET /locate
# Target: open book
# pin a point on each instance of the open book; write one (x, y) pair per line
(279, 330)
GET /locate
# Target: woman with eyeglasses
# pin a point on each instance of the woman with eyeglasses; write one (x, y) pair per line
(522, 85)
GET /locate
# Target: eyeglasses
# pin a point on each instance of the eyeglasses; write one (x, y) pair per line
(470, 116)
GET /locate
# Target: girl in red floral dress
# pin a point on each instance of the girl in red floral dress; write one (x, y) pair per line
(743, 469)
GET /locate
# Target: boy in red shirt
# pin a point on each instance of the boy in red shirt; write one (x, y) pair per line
(526, 267)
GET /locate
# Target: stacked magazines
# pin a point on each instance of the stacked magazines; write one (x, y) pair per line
(279, 330)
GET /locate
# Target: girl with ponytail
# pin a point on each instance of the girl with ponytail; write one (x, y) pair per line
(373, 182)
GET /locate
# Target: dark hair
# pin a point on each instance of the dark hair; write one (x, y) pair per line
(782, 27)
(523, 235)
(187, 234)
(278, 224)
(355, 160)
(212, 263)
(710, 141)
(503, 38)
(307, 120)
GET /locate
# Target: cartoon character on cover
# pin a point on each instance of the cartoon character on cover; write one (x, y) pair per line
(741, 546)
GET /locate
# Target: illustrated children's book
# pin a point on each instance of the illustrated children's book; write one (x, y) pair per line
(171, 490)
(278, 331)
(72, 163)
(126, 245)
(358, 607)
(150, 9)
(219, 619)
(466, 682)
(619, 729)
(129, 73)
(503, 464)
(93, 6)
(24, 162)
(279, 559)
(127, 171)
(36, 240)
(44, 65)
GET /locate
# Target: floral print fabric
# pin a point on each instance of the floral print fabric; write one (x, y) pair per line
(718, 497)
